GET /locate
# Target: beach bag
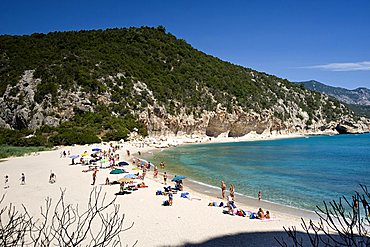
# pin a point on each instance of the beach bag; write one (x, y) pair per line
(253, 216)
(158, 193)
(221, 204)
(166, 203)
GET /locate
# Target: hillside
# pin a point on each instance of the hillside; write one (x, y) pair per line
(358, 100)
(78, 87)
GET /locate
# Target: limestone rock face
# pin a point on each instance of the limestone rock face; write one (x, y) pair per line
(347, 127)
(218, 124)
(20, 110)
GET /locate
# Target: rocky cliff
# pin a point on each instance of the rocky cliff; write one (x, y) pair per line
(22, 111)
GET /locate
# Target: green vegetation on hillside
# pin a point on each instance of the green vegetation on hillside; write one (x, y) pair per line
(114, 61)
(360, 110)
(13, 151)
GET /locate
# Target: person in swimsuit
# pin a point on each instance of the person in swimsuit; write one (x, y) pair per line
(165, 177)
(232, 191)
(223, 189)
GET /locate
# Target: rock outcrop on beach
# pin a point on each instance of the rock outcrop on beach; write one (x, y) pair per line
(148, 79)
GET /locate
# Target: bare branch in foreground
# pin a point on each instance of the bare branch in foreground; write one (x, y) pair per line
(63, 224)
(341, 223)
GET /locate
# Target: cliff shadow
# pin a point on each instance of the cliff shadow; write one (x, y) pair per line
(253, 239)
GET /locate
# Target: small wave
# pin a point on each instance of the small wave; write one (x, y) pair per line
(204, 184)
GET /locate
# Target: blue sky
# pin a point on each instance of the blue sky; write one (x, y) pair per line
(327, 40)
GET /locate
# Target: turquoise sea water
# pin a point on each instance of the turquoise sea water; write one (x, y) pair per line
(299, 172)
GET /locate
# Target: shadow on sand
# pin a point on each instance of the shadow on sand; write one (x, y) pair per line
(251, 239)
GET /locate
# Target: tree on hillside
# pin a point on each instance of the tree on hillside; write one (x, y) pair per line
(341, 223)
(63, 224)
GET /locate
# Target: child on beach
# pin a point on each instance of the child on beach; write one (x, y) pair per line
(52, 178)
(23, 179)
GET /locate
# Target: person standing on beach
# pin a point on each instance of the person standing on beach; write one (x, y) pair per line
(23, 179)
(144, 173)
(6, 182)
(155, 172)
(232, 192)
(165, 178)
(170, 198)
(223, 189)
(259, 195)
(94, 176)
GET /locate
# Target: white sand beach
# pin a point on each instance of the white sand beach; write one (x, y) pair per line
(187, 222)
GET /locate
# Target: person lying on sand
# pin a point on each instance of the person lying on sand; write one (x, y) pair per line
(142, 185)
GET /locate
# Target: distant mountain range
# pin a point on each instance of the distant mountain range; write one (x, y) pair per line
(358, 99)
(358, 96)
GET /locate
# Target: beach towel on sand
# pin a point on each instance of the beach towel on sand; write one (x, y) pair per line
(185, 195)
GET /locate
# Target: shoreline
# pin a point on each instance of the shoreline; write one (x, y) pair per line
(187, 222)
(213, 192)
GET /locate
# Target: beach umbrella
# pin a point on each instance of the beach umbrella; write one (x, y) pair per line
(123, 163)
(177, 178)
(133, 176)
(74, 156)
(117, 171)
(96, 149)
